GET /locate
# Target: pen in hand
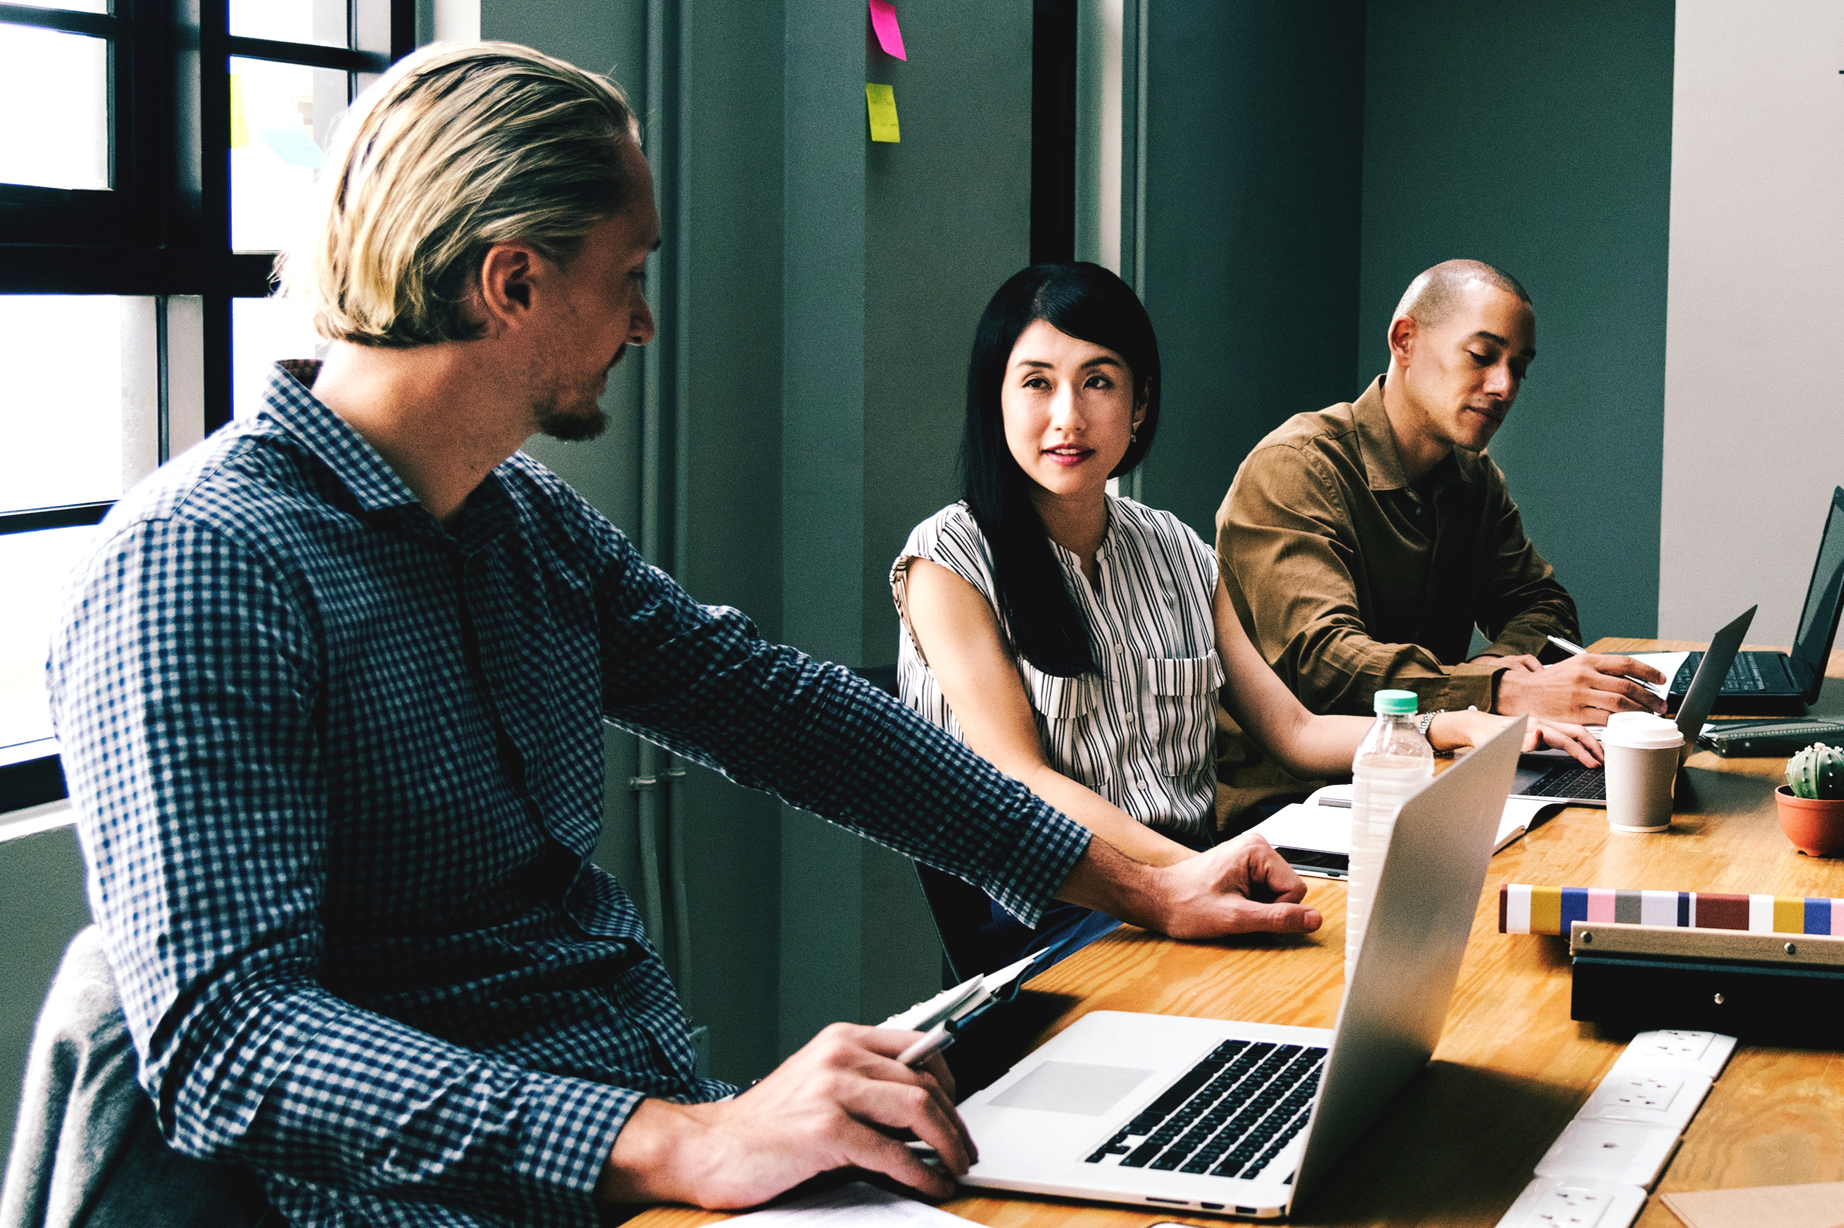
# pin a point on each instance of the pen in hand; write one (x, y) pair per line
(930, 1042)
(1573, 649)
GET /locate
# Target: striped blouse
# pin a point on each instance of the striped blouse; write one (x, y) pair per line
(1141, 733)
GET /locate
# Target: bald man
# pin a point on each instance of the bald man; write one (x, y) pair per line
(1363, 543)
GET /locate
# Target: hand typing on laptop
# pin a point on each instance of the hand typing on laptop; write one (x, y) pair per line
(1585, 689)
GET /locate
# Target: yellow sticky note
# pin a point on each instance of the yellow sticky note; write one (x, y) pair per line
(880, 101)
(240, 131)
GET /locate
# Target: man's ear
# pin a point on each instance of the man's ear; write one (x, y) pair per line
(1403, 331)
(503, 291)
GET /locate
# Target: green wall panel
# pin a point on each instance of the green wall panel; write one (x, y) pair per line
(1538, 138)
(1253, 161)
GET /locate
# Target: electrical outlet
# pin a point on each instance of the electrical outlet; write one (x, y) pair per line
(1653, 1096)
(1704, 1052)
(1617, 1151)
(1551, 1202)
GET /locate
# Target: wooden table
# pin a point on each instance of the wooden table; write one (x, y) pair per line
(1511, 1069)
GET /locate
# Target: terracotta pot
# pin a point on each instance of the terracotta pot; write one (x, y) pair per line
(1814, 825)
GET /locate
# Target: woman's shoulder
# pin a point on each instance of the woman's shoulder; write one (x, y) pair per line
(952, 538)
(954, 526)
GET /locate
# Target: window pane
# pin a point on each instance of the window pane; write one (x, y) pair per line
(78, 398)
(290, 21)
(60, 81)
(263, 332)
(281, 115)
(35, 566)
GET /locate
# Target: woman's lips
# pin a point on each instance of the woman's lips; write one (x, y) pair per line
(1068, 457)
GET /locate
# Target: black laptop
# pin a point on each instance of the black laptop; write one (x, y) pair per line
(1552, 775)
(1775, 682)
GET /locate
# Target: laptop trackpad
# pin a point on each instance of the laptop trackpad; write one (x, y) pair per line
(1072, 1087)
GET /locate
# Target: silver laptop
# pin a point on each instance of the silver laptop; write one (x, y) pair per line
(1554, 776)
(1242, 1118)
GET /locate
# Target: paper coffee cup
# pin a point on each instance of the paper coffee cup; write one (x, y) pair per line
(1642, 770)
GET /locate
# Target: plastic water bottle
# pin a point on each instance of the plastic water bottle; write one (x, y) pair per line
(1392, 764)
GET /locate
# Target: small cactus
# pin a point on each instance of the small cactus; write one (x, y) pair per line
(1817, 771)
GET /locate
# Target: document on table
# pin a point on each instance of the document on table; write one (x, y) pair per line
(1322, 823)
(1666, 663)
(851, 1206)
(1784, 1206)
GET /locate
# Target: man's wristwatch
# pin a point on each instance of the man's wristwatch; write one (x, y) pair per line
(1427, 719)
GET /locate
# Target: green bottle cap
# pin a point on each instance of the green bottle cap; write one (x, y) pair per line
(1395, 703)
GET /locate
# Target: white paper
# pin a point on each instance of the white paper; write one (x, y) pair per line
(1521, 814)
(1319, 828)
(852, 1206)
(962, 1000)
(1666, 663)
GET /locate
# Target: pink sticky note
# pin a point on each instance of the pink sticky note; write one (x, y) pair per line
(889, 34)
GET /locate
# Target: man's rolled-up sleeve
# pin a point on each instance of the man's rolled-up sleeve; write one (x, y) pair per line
(184, 683)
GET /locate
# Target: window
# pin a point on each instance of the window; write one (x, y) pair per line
(154, 154)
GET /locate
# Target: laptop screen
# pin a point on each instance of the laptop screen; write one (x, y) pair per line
(1818, 622)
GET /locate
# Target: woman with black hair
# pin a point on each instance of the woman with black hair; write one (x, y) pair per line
(1081, 641)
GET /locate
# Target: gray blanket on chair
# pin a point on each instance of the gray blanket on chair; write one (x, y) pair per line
(86, 1151)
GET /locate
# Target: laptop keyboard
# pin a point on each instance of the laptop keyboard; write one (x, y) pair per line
(1583, 782)
(1228, 1116)
(1744, 674)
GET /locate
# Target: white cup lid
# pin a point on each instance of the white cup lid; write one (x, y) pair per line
(1642, 731)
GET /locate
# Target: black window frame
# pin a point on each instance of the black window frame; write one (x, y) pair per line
(162, 229)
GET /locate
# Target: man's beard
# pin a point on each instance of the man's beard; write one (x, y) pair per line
(583, 420)
(572, 425)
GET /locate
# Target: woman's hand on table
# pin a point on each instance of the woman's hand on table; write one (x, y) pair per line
(1455, 730)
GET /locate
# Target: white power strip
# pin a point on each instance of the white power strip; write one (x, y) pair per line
(1598, 1171)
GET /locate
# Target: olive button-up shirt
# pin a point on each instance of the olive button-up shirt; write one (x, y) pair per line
(1350, 580)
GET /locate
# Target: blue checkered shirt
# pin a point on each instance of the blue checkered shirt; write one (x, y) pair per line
(338, 771)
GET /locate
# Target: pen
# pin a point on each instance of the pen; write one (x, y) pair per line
(1574, 650)
(934, 1040)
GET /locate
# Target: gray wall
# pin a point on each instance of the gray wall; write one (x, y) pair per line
(1254, 141)
(1752, 440)
(1538, 138)
(725, 219)
(947, 219)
